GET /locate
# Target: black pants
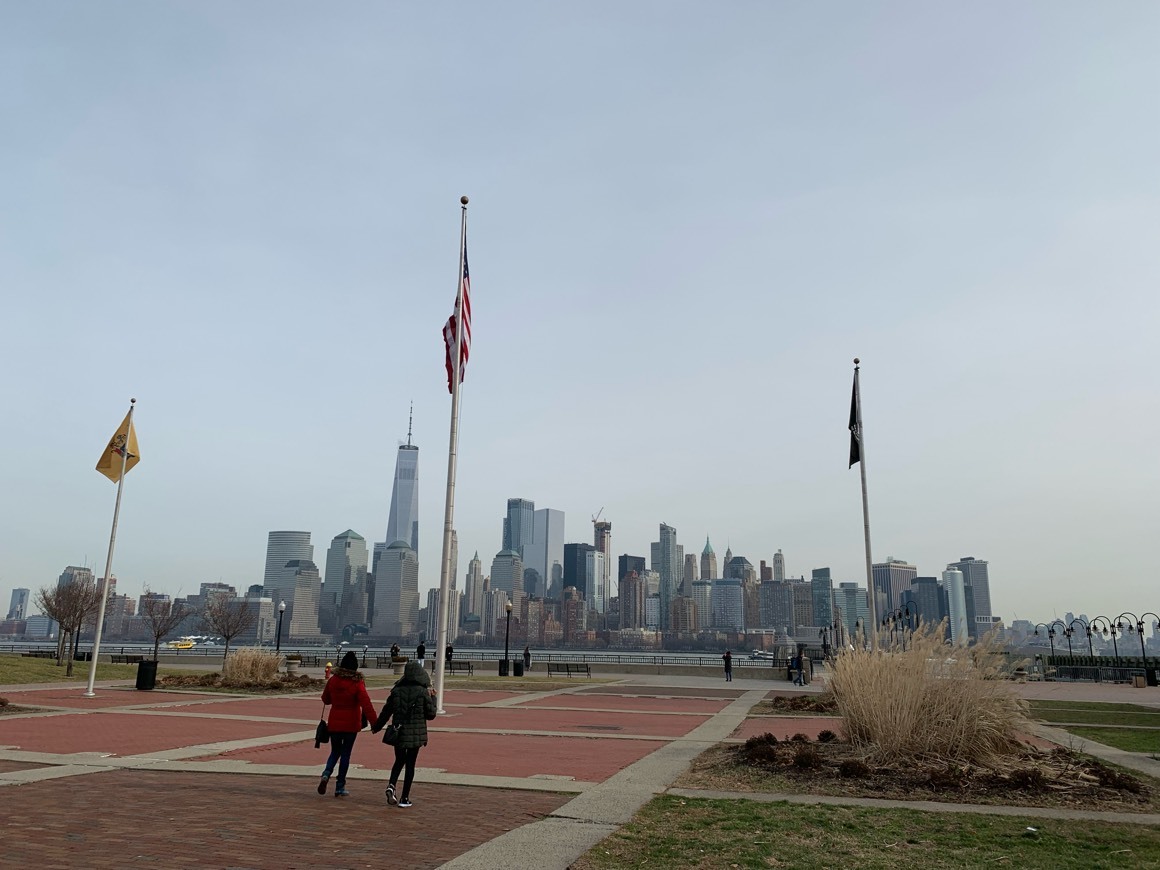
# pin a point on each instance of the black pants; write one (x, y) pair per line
(405, 757)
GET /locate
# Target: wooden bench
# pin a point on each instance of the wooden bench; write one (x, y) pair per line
(122, 659)
(454, 667)
(569, 668)
(39, 654)
(309, 661)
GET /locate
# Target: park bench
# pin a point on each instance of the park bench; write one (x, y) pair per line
(124, 659)
(311, 661)
(454, 667)
(569, 668)
(39, 654)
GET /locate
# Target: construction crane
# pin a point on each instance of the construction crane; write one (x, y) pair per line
(596, 516)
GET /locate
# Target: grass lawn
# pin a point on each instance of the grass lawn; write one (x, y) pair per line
(1128, 739)
(15, 669)
(674, 832)
(1096, 714)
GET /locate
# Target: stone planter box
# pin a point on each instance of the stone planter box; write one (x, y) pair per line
(292, 666)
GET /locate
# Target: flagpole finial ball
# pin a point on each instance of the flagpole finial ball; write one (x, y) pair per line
(132, 401)
(857, 361)
(463, 199)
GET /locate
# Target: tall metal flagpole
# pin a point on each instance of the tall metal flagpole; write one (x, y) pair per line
(89, 693)
(871, 592)
(452, 455)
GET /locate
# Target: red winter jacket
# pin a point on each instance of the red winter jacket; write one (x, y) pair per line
(347, 694)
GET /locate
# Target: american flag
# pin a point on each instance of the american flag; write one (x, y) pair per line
(449, 329)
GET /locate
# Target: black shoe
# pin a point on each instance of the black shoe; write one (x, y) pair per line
(322, 783)
(391, 799)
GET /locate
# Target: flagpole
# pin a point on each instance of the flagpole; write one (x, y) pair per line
(871, 592)
(89, 693)
(452, 456)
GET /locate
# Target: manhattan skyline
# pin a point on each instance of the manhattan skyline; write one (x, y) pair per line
(685, 223)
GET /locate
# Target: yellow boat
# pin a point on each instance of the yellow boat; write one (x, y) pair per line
(180, 644)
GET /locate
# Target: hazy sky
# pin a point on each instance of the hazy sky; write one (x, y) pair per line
(686, 220)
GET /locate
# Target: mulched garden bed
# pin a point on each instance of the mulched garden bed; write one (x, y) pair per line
(813, 705)
(281, 685)
(1033, 778)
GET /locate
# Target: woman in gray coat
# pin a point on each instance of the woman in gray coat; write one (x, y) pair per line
(412, 704)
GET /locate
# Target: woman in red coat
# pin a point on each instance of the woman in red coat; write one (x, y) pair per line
(350, 709)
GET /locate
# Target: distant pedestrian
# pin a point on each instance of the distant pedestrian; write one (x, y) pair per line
(350, 707)
(796, 665)
(421, 653)
(412, 704)
(395, 651)
(450, 651)
(527, 659)
(728, 657)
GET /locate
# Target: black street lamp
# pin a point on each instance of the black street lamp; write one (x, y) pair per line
(1108, 628)
(1087, 628)
(506, 637)
(281, 613)
(1063, 630)
(1050, 635)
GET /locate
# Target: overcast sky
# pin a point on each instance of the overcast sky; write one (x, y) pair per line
(686, 220)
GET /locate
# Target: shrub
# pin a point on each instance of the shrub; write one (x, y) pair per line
(799, 738)
(247, 666)
(827, 736)
(806, 757)
(3, 701)
(854, 768)
(761, 740)
(1029, 778)
(927, 702)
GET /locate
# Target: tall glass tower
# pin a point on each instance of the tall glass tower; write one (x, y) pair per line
(403, 523)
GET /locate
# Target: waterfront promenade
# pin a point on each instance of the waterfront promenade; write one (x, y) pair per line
(510, 779)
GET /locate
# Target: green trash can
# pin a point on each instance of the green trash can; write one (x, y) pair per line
(146, 674)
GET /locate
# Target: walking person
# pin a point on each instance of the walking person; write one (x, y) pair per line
(421, 653)
(527, 659)
(412, 704)
(350, 709)
(450, 651)
(728, 658)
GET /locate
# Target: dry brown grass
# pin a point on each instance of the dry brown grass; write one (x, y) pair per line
(928, 702)
(248, 666)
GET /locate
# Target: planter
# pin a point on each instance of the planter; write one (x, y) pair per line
(397, 668)
(292, 666)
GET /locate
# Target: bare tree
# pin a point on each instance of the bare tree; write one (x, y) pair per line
(161, 616)
(48, 601)
(228, 617)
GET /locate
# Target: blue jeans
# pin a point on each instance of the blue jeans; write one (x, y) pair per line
(341, 745)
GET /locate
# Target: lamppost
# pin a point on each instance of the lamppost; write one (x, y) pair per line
(1087, 628)
(506, 637)
(1050, 635)
(1108, 628)
(281, 613)
(1063, 630)
(824, 637)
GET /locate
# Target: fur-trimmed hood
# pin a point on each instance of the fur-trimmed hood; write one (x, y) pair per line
(347, 674)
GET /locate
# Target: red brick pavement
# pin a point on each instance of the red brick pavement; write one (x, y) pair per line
(537, 719)
(583, 759)
(194, 820)
(11, 766)
(666, 691)
(784, 727)
(72, 697)
(631, 703)
(125, 733)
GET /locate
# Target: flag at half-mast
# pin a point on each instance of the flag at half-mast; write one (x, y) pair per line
(463, 296)
(855, 427)
(122, 452)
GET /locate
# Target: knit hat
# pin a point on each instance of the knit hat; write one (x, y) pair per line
(349, 661)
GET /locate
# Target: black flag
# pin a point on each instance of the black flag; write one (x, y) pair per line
(855, 426)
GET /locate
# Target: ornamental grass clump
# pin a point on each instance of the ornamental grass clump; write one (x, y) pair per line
(928, 702)
(248, 666)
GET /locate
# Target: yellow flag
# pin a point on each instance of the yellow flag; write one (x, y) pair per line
(115, 456)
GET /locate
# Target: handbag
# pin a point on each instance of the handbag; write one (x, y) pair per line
(394, 731)
(322, 732)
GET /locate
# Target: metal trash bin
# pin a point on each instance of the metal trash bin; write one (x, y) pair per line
(1150, 676)
(517, 667)
(146, 674)
(503, 667)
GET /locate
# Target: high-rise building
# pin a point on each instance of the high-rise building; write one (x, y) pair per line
(975, 575)
(926, 596)
(545, 551)
(18, 605)
(778, 567)
(684, 615)
(803, 605)
(690, 575)
(668, 562)
(519, 525)
(740, 568)
(602, 540)
(891, 579)
(473, 587)
(576, 568)
(73, 574)
(396, 610)
(822, 591)
(627, 564)
(431, 629)
(344, 587)
(493, 623)
(282, 548)
(956, 606)
(855, 606)
(302, 599)
(765, 572)
(403, 521)
(703, 600)
(708, 562)
(652, 583)
(776, 603)
(728, 602)
(596, 579)
(632, 598)
(507, 575)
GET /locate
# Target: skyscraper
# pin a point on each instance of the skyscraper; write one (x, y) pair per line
(891, 579)
(546, 549)
(18, 606)
(473, 587)
(778, 567)
(73, 574)
(975, 576)
(632, 598)
(956, 606)
(627, 564)
(519, 525)
(397, 591)
(507, 575)
(281, 549)
(602, 540)
(596, 579)
(855, 607)
(403, 522)
(728, 605)
(690, 575)
(703, 599)
(576, 568)
(822, 592)
(344, 589)
(302, 599)
(708, 562)
(665, 562)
